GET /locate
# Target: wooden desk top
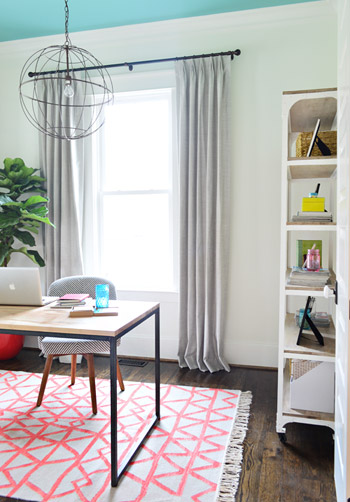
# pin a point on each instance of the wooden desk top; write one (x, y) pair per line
(57, 320)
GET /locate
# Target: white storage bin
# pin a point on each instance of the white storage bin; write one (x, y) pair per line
(312, 385)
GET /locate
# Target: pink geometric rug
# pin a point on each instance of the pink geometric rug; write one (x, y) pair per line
(61, 452)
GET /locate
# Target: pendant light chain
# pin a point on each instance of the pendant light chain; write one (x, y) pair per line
(66, 14)
(68, 42)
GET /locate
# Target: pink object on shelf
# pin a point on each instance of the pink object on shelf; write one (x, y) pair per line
(313, 260)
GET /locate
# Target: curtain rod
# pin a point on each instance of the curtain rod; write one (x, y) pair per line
(232, 54)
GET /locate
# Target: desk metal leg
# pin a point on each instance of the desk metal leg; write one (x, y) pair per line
(115, 472)
(157, 363)
(114, 444)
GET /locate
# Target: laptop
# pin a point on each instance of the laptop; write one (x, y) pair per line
(21, 286)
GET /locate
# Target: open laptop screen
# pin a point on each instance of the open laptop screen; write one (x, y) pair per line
(20, 286)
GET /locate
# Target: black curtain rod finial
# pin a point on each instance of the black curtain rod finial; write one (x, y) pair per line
(237, 52)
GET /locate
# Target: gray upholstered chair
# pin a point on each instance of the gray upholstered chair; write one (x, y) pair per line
(52, 347)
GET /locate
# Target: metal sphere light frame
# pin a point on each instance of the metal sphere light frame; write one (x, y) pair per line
(63, 90)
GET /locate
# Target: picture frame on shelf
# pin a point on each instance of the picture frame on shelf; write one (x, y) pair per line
(317, 140)
(313, 139)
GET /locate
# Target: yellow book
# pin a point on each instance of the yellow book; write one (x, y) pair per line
(312, 204)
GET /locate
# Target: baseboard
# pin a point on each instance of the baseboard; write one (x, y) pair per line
(171, 360)
(141, 345)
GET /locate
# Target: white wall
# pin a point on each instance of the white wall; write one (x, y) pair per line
(283, 48)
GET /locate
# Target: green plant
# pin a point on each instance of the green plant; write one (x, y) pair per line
(21, 212)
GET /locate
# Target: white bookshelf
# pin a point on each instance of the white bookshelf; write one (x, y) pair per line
(300, 175)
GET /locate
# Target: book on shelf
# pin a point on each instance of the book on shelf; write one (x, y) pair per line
(312, 216)
(302, 277)
(302, 248)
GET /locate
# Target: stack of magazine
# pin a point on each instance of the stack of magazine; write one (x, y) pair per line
(302, 277)
(319, 216)
(321, 319)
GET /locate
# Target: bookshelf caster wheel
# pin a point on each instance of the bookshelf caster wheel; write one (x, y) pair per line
(282, 437)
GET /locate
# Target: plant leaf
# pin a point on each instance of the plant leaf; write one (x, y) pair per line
(4, 252)
(37, 178)
(27, 171)
(4, 199)
(8, 219)
(12, 163)
(6, 183)
(38, 210)
(13, 203)
(31, 229)
(24, 237)
(31, 216)
(34, 200)
(33, 255)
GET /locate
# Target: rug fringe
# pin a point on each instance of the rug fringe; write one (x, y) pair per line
(231, 471)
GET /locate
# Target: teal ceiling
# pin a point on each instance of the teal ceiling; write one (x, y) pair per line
(34, 18)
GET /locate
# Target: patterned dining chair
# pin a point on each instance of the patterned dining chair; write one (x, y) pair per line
(53, 347)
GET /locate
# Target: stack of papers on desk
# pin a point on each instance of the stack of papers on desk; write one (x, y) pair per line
(71, 300)
(90, 311)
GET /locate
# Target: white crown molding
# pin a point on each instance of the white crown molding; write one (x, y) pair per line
(178, 27)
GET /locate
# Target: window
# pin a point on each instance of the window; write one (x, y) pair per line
(136, 192)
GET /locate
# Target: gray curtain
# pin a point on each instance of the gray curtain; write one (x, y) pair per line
(59, 165)
(203, 88)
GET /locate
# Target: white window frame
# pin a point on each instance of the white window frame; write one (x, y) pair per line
(150, 81)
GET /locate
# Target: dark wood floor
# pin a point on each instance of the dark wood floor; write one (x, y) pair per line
(299, 471)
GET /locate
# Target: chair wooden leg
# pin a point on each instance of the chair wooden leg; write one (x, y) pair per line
(120, 378)
(44, 379)
(73, 370)
(91, 369)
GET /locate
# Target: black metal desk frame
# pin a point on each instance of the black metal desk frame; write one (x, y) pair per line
(115, 472)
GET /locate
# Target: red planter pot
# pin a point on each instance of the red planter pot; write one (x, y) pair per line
(10, 345)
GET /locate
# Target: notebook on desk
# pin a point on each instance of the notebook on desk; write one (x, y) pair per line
(21, 286)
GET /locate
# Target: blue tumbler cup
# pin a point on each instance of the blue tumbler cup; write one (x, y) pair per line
(102, 295)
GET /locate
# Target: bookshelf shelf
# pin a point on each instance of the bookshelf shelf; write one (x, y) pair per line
(300, 176)
(311, 168)
(309, 347)
(312, 226)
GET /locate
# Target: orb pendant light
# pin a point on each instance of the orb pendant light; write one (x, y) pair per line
(63, 90)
